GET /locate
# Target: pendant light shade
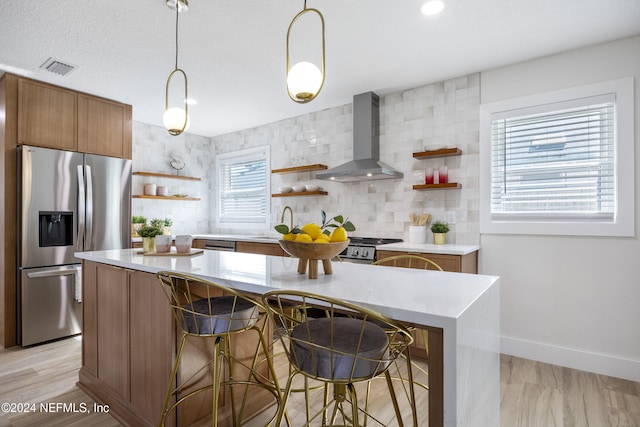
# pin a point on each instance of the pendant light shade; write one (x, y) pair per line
(176, 119)
(304, 79)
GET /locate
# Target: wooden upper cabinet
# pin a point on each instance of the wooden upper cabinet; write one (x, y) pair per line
(104, 127)
(54, 117)
(46, 115)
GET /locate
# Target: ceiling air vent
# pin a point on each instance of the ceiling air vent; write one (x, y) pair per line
(57, 67)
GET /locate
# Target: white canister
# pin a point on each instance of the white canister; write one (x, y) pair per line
(183, 243)
(162, 190)
(150, 189)
(417, 234)
(163, 243)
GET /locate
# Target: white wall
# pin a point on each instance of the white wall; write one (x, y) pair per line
(571, 301)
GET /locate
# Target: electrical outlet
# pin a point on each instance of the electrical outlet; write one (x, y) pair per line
(451, 217)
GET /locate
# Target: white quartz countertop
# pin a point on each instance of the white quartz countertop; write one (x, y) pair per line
(423, 297)
(429, 248)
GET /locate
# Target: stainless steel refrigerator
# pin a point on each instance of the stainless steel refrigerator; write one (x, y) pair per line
(69, 202)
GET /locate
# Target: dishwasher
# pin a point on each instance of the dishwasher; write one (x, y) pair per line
(220, 245)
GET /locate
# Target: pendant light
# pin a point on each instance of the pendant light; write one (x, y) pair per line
(304, 79)
(176, 119)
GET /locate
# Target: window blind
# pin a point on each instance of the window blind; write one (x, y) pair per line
(243, 192)
(555, 161)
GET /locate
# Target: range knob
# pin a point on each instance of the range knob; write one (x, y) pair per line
(355, 252)
(365, 253)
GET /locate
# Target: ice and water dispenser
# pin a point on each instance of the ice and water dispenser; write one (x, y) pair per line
(56, 228)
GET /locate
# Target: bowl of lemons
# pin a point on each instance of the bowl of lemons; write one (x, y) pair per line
(312, 243)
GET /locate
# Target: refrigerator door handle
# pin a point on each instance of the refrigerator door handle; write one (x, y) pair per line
(50, 273)
(88, 245)
(81, 209)
(75, 271)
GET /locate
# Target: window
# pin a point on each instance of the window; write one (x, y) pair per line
(560, 163)
(243, 189)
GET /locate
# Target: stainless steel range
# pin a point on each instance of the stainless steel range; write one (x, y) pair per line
(363, 249)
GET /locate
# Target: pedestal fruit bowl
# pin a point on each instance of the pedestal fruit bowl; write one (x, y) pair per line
(313, 242)
(310, 253)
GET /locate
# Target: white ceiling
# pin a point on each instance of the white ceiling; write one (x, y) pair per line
(233, 51)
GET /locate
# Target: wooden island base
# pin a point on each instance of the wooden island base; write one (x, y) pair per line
(129, 344)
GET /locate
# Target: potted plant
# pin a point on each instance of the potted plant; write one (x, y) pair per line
(166, 227)
(136, 222)
(163, 224)
(439, 230)
(148, 234)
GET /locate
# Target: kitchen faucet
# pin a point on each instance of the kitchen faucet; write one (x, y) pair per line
(291, 216)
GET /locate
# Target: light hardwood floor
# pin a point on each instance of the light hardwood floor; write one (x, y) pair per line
(533, 394)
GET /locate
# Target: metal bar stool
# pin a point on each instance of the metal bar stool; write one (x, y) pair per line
(207, 310)
(411, 261)
(345, 346)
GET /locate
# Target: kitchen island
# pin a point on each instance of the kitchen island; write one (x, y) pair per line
(128, 339)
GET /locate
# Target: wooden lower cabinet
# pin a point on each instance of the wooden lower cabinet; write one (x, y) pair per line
(457, 263)
(260, 248)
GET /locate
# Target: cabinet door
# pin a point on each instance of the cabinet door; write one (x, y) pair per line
(260, 248)
(152, 345)
(112, 296)
(104, 127)
(446, 262)
(46, 116)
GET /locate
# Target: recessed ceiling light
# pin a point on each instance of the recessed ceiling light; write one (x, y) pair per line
(432, 7)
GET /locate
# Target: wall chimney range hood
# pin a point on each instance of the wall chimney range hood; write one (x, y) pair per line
(366, 164)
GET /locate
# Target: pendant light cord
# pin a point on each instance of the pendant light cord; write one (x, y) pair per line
(177, 13)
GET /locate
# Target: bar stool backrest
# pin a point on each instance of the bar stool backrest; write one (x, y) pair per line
(410, 261)
(344, 343)
(205, 308)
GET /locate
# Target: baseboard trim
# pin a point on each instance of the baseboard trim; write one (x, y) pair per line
(572, 358)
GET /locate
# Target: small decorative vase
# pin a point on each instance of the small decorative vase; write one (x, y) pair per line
(439, 238)
(166, 231)
(134, 229)
(149, 244)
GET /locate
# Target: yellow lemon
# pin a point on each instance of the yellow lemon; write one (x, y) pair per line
(312, 230)
(339, 235)
(305, 238)
(289, 236)
(320, 240)
(324, 236)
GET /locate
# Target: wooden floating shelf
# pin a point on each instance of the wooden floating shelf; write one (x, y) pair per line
(166, 175)
(142, 196)
(301, 193)
(306, 168)
(447, 186)
(444, 152)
